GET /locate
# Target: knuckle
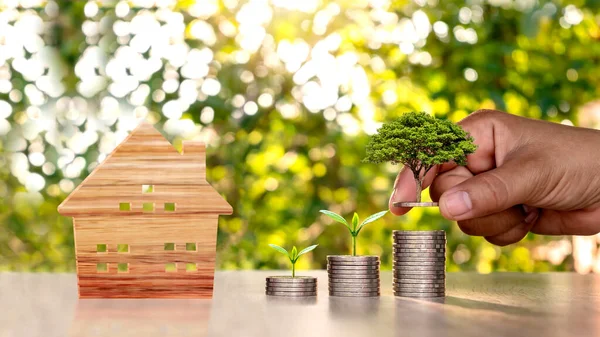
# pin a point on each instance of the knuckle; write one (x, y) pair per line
(469, 227)
(496, 192)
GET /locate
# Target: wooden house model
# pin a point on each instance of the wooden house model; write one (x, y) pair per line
(145, 221)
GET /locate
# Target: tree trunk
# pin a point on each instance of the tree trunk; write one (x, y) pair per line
(419, 188)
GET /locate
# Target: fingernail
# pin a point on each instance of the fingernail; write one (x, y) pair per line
(531, 215)
(458, 203)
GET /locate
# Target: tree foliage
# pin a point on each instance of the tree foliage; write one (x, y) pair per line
(302, 84)
(420, 141)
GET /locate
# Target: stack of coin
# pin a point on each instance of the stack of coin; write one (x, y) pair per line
(353, 276)
(419, 263)
(299, 286)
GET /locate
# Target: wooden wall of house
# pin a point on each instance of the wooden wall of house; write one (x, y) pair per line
(149, 266)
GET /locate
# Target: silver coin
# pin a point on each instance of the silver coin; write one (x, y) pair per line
(291, 294)
(422, 280)
(398, 280)
(352, 267)
(424, 270)
(350, 290)
(418, 256)
(418, 295)
(420, 268)
(419, 250)
(289, 279)
(428, 239)
(357, 288)
(441, 284)
(419, 237)
(352, 272)
(291, 286)
(418, 246)
(350, 258)
(425, 266)
(353, 264)
(408, 263)
(353, 281)
(408, 274)
(402, 241)
(354, 294)
(423, 293)
(419, 290)
(356, 276)
(280, 288)
(419, 261)
(440, 271)
(419, 241)
(439, 276)
(419, 276)
(416, 204)
(396, 284)
(355, 285)
(406, 232)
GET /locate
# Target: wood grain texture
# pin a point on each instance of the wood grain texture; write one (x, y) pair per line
(180, 211)
(145, 157)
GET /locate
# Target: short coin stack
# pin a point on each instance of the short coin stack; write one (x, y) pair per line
(353, 276)
(299, 286)
(419, 263)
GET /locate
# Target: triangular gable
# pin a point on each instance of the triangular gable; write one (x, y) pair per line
(145, 157)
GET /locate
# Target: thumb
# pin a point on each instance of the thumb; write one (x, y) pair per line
(490, 192)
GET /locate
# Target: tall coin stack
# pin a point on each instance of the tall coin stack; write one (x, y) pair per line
(299, 286)
(353, 276)
(419, 263)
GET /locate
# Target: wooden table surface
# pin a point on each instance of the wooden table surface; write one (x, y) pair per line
(502, 304)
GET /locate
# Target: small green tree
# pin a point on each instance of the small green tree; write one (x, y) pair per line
(293, 255)
(355, 228)
(420, 141)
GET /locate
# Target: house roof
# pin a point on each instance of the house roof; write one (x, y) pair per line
(145, 157)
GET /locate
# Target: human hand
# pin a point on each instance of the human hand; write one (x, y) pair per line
(526, 175)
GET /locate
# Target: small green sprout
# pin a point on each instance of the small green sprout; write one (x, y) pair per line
(355, 228)
(293, 255)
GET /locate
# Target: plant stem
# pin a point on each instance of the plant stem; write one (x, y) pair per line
(293, 269)
(353, 245)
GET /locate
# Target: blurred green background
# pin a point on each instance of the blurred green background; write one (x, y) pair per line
(285, 93)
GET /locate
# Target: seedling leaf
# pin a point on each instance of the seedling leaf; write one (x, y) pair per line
(354, 221)
(294, 254)
(337, 218)
(334, 216)
(307, 249)
(371, 218)
(279, 249)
